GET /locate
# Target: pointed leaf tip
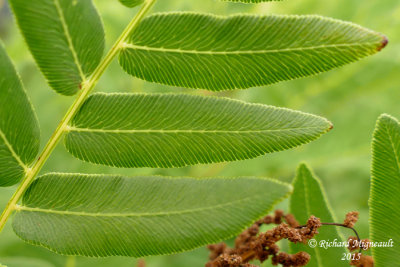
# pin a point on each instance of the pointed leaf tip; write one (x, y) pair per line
(384, 43)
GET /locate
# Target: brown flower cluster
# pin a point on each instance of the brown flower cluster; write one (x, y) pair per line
(358, 259)
(361, 260)
(252, 245)
(351, 219)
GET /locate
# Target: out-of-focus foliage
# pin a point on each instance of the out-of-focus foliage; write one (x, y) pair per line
(351, 97)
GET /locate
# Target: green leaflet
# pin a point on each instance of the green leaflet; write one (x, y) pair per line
(19, 129)
(65, 37)
(100, 215)
(384, 199)
(218, 53)
(308, 199)
(174, 130)
(131, 3)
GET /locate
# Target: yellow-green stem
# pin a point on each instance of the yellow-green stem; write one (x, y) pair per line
(87, 88)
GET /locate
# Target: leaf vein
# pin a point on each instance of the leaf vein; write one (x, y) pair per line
(134, 214)
(182, 51)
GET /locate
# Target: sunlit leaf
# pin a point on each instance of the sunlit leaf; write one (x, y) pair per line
(385, 184)
(308, 199)
(66, 39)
(131, 3)
(100, 215)
(169, 130)
(218, 53)
(19, 130)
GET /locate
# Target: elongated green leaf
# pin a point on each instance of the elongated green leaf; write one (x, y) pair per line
(168, 130)
(66, 39)
(385, 184)
(217, 53)
(99, 215)
(308, 199)
(131, 3)
(19, 130)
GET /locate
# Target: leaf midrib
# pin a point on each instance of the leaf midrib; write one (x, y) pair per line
(135, 214)
(75, 129)
(69, 39)
(11, 149)
(270, 51)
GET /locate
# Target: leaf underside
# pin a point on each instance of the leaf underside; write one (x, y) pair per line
(131, 3)
(241, 51)
(65, 37)
(99, 215)
(384, 197)
(19, 130)
(308, 199)
(175, 130)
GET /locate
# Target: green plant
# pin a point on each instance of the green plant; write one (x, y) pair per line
(308, 197)
(188, 50)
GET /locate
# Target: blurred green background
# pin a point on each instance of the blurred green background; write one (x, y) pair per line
(351, 97)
